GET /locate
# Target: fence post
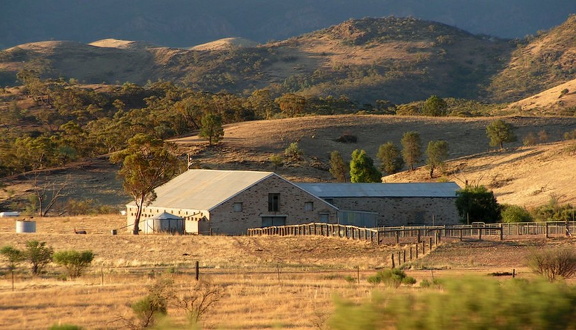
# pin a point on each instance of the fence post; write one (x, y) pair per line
(547, 232)
(423, 247)
(501, 232)
(404, 255)
(197, 273)
(392, 256)
(430, 249)
(416, 250)
(397, 233)
(479, 234)
(418, 240)
(410, 252)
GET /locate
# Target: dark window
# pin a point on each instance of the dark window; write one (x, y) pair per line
(273, 202)
(273, 221)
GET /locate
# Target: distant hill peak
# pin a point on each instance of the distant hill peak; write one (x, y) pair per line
(121, 44)
(225, 44)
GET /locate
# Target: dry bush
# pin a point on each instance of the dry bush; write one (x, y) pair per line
(199, 299)
(553, 263)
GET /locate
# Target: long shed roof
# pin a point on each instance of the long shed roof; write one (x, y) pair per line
(205, 189)
(334, 190)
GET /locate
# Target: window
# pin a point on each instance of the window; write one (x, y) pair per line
(309, 206)
(323, 217)
(273, 202)
(237, 207)
(269, 221)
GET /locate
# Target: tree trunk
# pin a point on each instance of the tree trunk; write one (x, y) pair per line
(140, 206)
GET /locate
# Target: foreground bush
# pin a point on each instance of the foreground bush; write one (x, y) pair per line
(391, 277)
(553, 263)
(473, 303)
(75, 262)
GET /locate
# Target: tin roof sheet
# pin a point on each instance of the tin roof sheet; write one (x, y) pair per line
(428, 189)
(205, 189)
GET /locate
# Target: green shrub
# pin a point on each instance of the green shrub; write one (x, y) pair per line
(515, 213)
(469, 303)
(39, 255)
(74, 261)
(391, 277)
(293, 152)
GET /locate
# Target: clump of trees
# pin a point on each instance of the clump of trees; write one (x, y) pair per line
(39, 255)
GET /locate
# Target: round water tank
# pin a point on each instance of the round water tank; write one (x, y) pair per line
(25, 226)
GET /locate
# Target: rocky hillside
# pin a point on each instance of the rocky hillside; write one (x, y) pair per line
(541, 63)
(394, 59)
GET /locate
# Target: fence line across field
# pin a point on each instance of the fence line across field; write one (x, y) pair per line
(381, 234)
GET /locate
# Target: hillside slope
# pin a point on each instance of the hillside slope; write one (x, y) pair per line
(544, 62)
(522, 172)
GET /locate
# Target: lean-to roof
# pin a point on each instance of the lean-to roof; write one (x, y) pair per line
(335, 190)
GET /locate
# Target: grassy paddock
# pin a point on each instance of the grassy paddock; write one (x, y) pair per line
(268, 282)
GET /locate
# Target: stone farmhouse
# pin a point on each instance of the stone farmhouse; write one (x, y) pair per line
(230, 202)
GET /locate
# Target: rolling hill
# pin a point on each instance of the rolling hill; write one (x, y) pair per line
(395, 59)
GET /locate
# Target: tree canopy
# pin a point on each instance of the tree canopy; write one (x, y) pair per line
(338, 166)
(362, 168)
(477, 204)
(437, 153)
(499, 132)
(212, 128)
(147, 162)
(411, 148)
(390, 158)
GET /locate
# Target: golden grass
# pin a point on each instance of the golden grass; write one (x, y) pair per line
(268, 282)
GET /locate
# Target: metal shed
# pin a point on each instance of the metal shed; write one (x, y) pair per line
(163, 222)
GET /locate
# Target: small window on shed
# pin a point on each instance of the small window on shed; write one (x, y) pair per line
(309, 206)
(237, 207)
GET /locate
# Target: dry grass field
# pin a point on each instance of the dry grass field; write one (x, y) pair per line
(266, 282)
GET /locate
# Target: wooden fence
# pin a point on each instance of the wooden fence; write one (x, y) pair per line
(396, 235)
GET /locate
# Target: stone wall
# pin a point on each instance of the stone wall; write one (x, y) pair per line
(404, 211)
(224, 219)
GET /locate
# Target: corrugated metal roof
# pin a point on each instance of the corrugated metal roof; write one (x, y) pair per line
(204, 189)
(428, 189)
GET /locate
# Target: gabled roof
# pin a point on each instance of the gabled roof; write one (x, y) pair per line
(335, 190)
(205, 189)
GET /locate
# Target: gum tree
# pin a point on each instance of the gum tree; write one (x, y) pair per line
(147, 163)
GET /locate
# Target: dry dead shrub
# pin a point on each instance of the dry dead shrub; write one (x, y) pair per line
(553, 263)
